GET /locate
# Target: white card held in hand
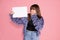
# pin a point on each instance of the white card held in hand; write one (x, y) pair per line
(19, 12)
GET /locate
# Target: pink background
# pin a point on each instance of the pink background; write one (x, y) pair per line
(49, 10)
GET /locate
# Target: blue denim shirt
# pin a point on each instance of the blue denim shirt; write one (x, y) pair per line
(36, 21)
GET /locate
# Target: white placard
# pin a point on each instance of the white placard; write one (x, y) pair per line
(19, 12)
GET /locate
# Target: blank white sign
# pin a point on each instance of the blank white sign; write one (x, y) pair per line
(19, 12)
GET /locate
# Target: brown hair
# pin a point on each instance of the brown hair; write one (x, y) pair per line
(35, 7)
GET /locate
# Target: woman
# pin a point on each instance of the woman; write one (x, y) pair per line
(32, 24)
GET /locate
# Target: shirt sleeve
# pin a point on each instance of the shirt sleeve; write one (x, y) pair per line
(37, 22)
(24, 20)
(16, 20)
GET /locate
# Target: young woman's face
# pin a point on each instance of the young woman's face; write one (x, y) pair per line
(33, 12)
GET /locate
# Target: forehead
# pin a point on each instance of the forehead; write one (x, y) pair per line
(32, 8)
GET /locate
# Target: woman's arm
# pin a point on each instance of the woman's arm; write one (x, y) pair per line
(38, 22)
(16, 20)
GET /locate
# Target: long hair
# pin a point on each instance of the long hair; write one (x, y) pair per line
(35, 7)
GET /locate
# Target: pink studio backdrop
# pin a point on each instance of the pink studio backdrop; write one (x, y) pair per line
(50, 12)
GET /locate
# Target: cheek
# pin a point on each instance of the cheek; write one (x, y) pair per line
(34, 11)
(31, 11)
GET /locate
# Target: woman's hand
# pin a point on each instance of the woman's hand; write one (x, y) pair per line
(13, 14)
